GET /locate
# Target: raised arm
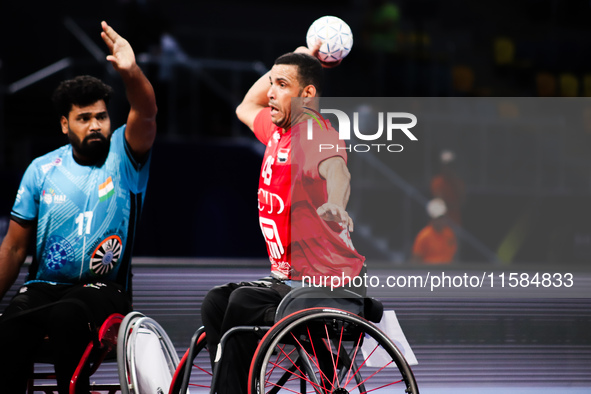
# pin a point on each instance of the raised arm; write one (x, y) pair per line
(141, 121)
(256, 97)
(255, 100)
(12, 254)
(338, 187)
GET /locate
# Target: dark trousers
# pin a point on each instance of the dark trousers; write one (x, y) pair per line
(68, 314)
(231, 305)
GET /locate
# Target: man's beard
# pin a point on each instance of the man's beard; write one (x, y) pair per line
(90, 152)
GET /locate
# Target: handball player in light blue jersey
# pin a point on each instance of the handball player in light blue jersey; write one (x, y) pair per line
(80, 205)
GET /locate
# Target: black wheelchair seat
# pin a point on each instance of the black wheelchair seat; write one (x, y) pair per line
(313, 297)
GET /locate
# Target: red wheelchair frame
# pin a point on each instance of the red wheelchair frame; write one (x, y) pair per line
(93, 356)
(317, 349)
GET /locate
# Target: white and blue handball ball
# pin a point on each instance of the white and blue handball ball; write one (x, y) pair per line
(336, 37)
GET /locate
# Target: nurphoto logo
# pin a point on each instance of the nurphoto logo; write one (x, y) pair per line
(392, 128)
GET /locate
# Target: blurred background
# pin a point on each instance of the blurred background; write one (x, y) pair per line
(202, 58)
(518, 196)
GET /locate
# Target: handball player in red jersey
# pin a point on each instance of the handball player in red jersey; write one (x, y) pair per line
(302, 197)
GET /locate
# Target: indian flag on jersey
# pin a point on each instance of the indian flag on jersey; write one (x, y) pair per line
(106, 189)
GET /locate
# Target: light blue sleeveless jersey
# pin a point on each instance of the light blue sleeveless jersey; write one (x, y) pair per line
(86, 215)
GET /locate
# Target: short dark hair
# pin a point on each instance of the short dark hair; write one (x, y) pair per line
(310, 70)
(82, 91)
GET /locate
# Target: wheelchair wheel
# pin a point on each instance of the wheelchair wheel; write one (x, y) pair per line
(193, 373)
(326, 351)
(147, 358)
(125, 330)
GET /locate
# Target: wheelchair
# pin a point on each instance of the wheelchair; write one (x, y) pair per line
(95, 353)
(146, 358)
(322, 342)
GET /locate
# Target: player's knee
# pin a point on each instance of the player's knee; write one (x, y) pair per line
(212, 301)
(238, 300)
(238, 295)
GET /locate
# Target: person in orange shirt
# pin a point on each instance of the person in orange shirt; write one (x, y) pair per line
(448, 186)
(436, 243)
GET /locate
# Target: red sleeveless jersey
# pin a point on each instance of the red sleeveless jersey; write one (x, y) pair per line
(299, 242)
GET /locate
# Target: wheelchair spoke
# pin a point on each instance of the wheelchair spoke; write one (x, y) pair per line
(381, 387)
(328, 343)
(315, 356)
(357, 347)
(277, 361)
(199, 374)
(364, 361)
(313, 360)
(284, 388)
(372, 375)
(324, 352)
(292, 362)
(202, 369)
(301, 374)
(335, 363)
(286, 377)
(199, 385)
(295, 377)
(289, 371)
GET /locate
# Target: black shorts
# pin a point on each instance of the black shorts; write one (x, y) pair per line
(99, 300)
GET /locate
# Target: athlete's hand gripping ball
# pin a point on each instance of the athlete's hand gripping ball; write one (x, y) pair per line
(335, 36)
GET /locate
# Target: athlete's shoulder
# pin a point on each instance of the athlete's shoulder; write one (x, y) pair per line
(317, 130)
(120, 129)
(119, 134)
(118, 142)
(51, 159)
(262, 126)
(263, 117)
(331, 133)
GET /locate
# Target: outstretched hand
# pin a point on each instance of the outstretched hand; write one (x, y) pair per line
(122, 57)
(335, 213)
(314, 52)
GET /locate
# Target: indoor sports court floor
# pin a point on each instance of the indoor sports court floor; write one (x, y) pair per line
(463, 346)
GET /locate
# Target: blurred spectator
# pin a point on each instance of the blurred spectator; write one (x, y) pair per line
(170, 54)
(448, 186)
(381, 26)
(380, 38)
(435, 243)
